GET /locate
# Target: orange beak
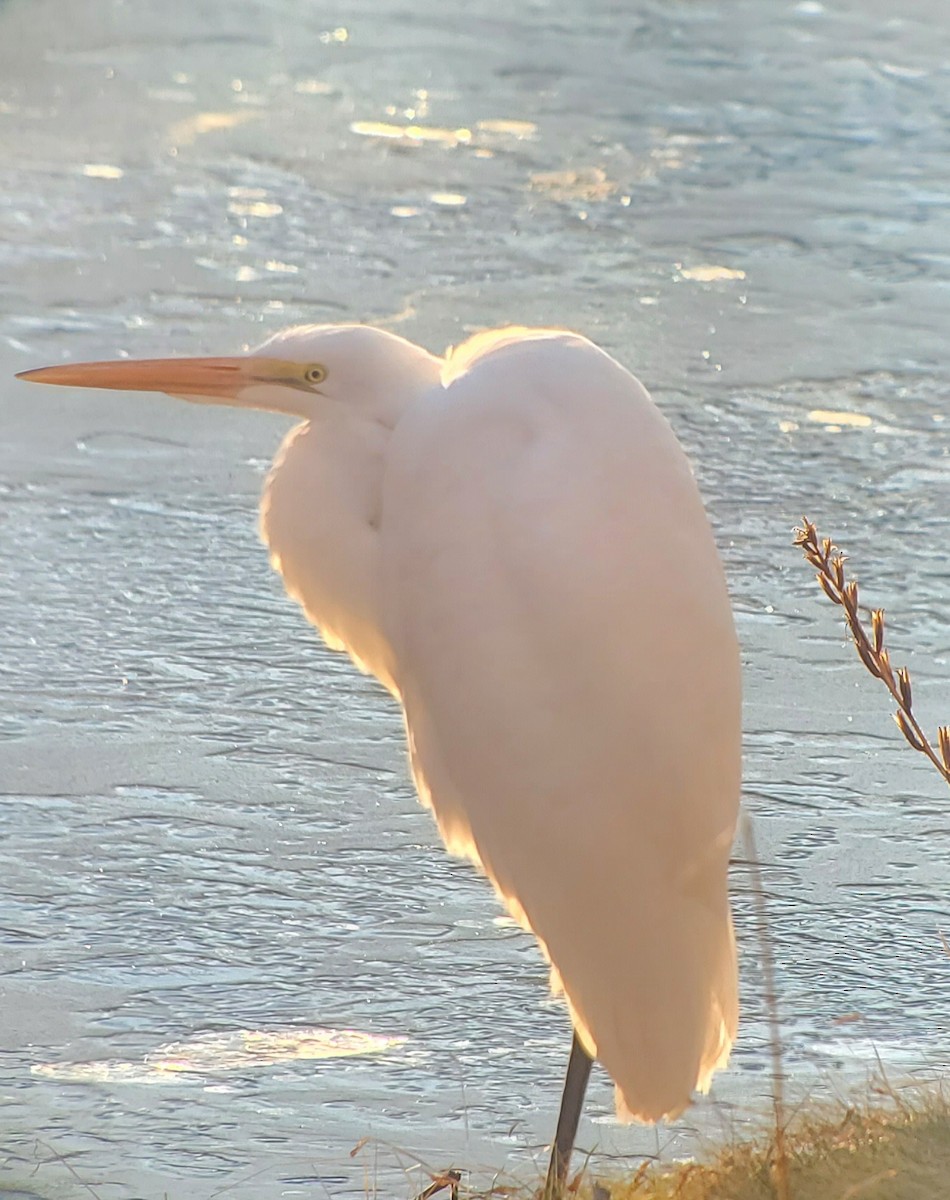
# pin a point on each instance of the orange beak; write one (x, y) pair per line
(221, 377)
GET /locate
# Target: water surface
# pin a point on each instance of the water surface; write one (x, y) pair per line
(207, 824)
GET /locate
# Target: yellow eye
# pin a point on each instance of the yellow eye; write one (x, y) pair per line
(315, 374)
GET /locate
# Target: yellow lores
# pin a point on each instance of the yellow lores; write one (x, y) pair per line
(511, 540)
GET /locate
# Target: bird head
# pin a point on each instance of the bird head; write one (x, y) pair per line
(300, 371)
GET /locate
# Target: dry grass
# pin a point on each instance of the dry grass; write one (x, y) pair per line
(894, 1148)
(897, 1152)
(897, 1149)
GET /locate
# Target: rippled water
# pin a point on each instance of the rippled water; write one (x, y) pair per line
(206, 821)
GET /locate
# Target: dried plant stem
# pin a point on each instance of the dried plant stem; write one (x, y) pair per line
(447, 1179)
(829, 562)
(56, 1156)
(780, 1169)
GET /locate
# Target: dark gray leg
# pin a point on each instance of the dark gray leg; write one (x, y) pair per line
(572, 1101)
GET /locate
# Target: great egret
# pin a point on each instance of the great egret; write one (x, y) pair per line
(511, 540)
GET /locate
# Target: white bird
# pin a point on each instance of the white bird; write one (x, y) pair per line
(511, 540)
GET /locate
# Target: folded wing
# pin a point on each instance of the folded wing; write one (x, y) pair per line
(567, 664)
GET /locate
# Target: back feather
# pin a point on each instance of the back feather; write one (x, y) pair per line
(566, 659)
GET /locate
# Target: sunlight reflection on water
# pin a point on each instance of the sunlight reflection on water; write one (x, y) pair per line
(207, 823)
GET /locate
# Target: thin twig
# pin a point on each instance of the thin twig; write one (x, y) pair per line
(56, 1156)
(447, 1179)
(780, 1165)
(829, 562)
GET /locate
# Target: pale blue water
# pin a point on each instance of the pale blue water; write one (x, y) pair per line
(206, 818)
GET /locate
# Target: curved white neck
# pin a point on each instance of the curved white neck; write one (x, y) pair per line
(320, 520)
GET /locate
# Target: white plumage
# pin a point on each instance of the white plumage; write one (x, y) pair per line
(512, 541)
(555, 623)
